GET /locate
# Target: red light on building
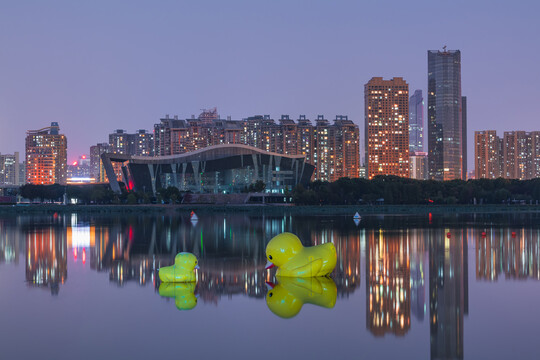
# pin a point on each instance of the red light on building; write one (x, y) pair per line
(74, 163)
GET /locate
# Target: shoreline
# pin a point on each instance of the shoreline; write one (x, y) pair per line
(268, 209)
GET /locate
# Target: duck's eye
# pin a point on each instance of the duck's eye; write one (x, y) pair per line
(270, 294)
(270, 257)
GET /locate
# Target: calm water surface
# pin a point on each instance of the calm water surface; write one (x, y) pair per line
(405, 287)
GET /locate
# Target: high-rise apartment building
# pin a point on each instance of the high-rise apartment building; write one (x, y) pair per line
(445, 121)
(487, 158)
(535, 156)
(416, 122)
(46, 156)
(387, 127)
(141, 143)
(9, 169)
(418, 165)
(515, 156)
(96, 166)
(332, 148)
(346, 148)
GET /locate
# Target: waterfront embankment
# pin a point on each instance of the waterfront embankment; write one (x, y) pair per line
(268, 209)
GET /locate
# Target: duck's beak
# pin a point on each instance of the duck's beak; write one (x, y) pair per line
(269, 285)
(269, 265)
(196, 267)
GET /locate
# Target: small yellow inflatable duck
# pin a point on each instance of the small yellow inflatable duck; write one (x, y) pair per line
(294, 260)
(183, 269)
(287, 297)
(183, 294)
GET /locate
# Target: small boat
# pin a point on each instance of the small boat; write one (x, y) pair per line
(357, 216)
(194, 217)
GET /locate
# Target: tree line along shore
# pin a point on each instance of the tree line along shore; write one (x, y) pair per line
(381, 194)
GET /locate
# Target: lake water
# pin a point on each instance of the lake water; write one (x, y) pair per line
(405, 287)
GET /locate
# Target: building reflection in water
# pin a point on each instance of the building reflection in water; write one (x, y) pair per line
(514, 253)
(448, 292)
(418, 266)
(10, 240)
(46, 260)
(388, 282)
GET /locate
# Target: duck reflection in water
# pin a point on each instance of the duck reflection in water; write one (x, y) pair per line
(183, 294)
(286, 298)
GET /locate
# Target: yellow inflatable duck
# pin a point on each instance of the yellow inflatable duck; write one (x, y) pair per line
(287, 297)
(294, 260)
(183, 294)
(183, 269)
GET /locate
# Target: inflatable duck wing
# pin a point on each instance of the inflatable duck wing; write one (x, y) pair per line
(287, 297)
(294, 260)
(183, 294)
(183, 269)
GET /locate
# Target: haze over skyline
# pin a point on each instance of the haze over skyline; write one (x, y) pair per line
(100, 66)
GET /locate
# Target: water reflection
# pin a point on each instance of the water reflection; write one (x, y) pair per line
(286, 298)
(46, 258)
(448, 291)
(388, 283)
(516, 254)
(416, 272)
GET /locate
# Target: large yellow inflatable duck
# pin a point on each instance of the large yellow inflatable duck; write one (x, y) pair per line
(183, 294)
(183, 269)
(287, 297)
(294, 260)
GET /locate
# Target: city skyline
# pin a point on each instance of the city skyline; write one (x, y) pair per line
(111, 72)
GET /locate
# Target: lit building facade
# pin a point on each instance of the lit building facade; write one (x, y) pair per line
(487, 155)
(46, 156)
(9, 169)
(418, 165)
(333, 148)
(517, 155)
(514, 156)
(387, 127)
(445, 121)
(96, 166)
(416, 122)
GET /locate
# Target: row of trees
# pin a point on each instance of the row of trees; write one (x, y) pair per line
(395, 190)
(381, 190)
(96, 194)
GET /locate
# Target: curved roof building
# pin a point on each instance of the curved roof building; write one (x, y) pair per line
(226, 169)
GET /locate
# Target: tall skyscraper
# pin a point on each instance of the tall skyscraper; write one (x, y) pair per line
(416, 122)
(464, 168)
(445, 121)
(46, 156)
(387, 127)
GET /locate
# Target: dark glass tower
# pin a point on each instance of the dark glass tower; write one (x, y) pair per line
(416, 122)
(464, 136)
(445, 123)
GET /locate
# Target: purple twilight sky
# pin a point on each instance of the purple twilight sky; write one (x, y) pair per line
(101, 65)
